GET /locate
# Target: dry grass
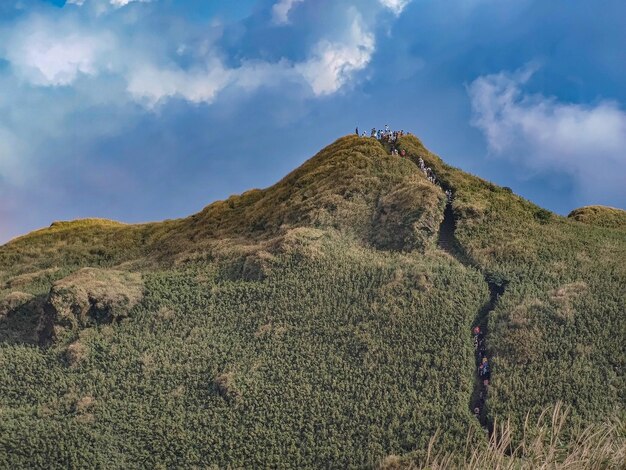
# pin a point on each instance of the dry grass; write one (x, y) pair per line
(564, 296)
(14, 300)
(602, 216)
(409, 216)
(89, 297)
(29, 278)
(76, 353)
(543, 444)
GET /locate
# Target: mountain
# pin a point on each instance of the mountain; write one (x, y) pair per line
(325, 321)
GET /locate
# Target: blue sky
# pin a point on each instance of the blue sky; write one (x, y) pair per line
(141, 110)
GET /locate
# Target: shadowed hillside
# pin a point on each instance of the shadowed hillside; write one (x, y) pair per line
(322, 322)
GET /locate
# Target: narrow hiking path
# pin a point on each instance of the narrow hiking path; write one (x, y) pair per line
(447, 241)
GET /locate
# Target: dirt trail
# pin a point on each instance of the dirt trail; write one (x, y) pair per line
(448, 242)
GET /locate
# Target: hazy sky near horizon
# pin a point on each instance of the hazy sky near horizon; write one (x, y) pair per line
(140, 110)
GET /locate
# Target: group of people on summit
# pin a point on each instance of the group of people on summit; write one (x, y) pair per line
(384, 135)
(389, 136)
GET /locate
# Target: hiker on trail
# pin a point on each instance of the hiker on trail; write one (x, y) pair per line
(482, 354)
(363, 134)
(421, 164)
(357, 131)
(373, 134)
(477, 412)
(483, 369)
(477, 335)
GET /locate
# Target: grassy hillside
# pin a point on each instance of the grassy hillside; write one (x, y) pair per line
(559, 331)
(315, 323)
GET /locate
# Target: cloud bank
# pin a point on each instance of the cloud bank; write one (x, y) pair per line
(61, 51)
(587, 142)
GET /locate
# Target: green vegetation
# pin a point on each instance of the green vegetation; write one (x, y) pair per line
(311, 324)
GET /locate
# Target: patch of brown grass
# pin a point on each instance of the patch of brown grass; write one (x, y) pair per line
(563, 297)
(601, 216)
(14, 300)
(165, 313)
(90, 297)
(408, 216)
(28, 278)
(268, 329)
(519, 333)
(76, 353)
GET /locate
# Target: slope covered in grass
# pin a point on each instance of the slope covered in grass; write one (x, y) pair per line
(559, 331)
(314, 323)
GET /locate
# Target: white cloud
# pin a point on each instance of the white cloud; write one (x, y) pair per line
(49, 53)
(45, 56)
(281, 9)
(396, 6)
(152, 84)
(333, 63)
(587, 142)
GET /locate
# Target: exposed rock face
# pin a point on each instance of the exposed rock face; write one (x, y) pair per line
(87, 298)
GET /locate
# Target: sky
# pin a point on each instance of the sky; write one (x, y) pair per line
(144, 110)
